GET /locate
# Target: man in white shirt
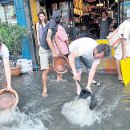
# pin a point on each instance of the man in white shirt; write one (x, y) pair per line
(89, 53)
(4, 53)
(120, 41)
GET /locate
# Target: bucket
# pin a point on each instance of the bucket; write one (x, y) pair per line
(59, 64)
(8, 99)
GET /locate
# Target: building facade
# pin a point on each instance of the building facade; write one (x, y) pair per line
(24, 13)
(18, 12)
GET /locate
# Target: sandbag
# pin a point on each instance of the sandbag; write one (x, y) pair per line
(26, 65)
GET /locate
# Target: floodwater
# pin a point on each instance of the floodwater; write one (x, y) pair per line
(15, 120)
(61, 110)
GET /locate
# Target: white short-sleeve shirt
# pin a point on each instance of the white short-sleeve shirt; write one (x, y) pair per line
(4, 52)
(85, 46)
(124, 29)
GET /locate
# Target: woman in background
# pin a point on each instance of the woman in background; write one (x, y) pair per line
(44, 50)
(61, 45)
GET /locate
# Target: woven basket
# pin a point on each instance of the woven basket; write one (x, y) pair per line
(15, 71)
(8, 99)
(59, 64)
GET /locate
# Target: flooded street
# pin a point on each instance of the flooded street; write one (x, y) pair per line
(61, 110)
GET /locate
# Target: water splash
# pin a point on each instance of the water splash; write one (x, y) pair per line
(16, 120)
(77, 111)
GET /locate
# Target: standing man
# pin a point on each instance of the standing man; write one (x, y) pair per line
(4, 53)
(104, 24)
(87, 51)
(119, 40)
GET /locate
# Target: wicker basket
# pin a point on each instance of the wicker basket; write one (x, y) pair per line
(8, 99)
(15, 71)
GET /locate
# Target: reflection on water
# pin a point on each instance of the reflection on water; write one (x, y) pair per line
(77, 111)
(15, 120)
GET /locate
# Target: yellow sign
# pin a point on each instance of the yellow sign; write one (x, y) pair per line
(125, 68)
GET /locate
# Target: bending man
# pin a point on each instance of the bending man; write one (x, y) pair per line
(89, 53)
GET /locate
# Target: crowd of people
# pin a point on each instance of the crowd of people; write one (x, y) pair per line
(52, 38)
(53, 41)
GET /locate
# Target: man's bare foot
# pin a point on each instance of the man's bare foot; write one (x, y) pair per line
(44, 94)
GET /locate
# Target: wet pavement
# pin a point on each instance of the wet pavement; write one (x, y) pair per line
(113, 107)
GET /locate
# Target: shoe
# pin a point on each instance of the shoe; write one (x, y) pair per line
(121, 81)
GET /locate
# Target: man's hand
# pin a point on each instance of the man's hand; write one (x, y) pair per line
(9, 87)
(124, 57)
(54, 54)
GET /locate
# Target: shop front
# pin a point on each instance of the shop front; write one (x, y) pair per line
(7, 11)
(81, 16)
(18, 12)
(87, 14)
(67, 12)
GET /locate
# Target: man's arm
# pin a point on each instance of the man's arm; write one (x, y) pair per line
(49, 41)
(91, 75)
(72, 57)
(58, 45)
(7, 72)
(123, 48)
(37, 32)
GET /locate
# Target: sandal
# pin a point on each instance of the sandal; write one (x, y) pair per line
(121, 81)
(96, 83)
(44, 94)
